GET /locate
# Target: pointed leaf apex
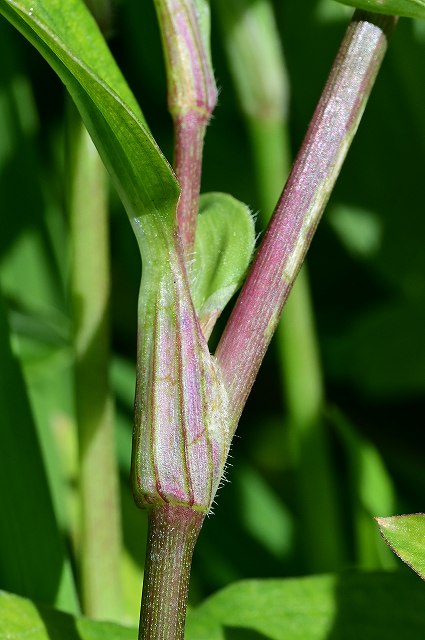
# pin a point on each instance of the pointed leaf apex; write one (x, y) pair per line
(405, 535)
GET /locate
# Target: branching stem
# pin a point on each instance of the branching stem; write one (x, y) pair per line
(192, 96)
(335, 121)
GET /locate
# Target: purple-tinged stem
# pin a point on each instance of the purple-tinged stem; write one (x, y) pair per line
(189, 133)
(192, 96)
(316, 168)
(172, 535)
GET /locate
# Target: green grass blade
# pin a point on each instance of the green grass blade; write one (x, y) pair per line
(32, 553)
(66, 34)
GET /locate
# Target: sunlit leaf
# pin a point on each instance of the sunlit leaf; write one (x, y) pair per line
(225, 239)
(22, 619)
(406, 537)
(28, 275)
(350, 606)
(381, 606)
(407, 8)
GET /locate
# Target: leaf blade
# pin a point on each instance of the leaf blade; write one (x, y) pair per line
(349, 605)
(22, 618)
(404, 8)
(224, 243)
(77, 52)
(405, 535)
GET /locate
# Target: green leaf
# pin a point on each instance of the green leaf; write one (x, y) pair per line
(406, 537)
(225, 239)
(32, 553)
(359, 230)
(66, 34)
(264, 516)
(382, 606)
(21, 619)
(406, 8)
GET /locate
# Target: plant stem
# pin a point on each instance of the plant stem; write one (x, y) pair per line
(272, 158)
(172, 535)
(173, 530)
(335, 121)
(99, 538)
(189, 133)
(192, 96)
(264, 95)
(299, 358)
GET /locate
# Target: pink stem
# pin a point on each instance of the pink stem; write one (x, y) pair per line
(189, 134)
(192, 96)
(316, 168)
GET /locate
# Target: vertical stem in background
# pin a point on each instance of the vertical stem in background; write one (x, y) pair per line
(172, 535)
(263, 94)
(100, 537)
(314, 472)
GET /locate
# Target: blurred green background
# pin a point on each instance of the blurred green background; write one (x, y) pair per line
(367, 273)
